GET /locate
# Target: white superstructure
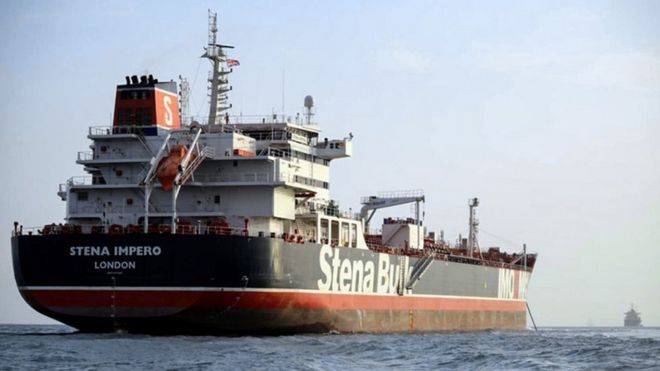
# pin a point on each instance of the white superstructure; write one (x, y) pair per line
(263, 175)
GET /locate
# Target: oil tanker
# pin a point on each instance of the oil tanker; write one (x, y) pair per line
(632, 318)
(226, 226)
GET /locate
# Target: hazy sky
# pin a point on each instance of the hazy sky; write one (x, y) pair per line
(547, 111)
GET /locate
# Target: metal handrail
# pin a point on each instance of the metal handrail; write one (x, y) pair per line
(90, 156)
(80, 180)
(248, 177)
(244, 177)
(198, 229)
(114, 130)
(112, 155)
(271, 118)
(99, 130)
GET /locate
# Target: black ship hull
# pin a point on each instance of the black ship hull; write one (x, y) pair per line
(152, 283)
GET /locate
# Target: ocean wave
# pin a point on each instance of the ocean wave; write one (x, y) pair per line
(59, 347)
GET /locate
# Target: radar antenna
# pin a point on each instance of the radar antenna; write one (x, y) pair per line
(309, 107)
(218, 81)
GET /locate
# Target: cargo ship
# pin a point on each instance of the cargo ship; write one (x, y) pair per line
(632, 318)
(226, 226)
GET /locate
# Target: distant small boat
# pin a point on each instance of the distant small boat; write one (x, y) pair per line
(632, 318)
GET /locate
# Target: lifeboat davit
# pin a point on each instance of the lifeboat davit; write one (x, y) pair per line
(169, 166)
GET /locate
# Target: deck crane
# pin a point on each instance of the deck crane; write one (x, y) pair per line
(372, 203)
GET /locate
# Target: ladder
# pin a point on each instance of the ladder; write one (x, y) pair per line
(206, 152)
(419, 269)
(403, 270)
(140, 138)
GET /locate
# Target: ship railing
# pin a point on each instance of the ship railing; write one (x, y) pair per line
(100, 130)
(273, 152)
(396, 194)
(115, 154)
(85, 209)
(51, 229)
(285, 176)
(95, 208)
(85, 155)
(298, 119)
(273, 118)
(113, 130)
(199, 229)
(279, 136)
(349, 215)
(80, 180)
(114, 229)
(243, 177)
(27, 231)
(307, 209)
(333, 211)
(445, 252)
(276, 135)
(93, 180)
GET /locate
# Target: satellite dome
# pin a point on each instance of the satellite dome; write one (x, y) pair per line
(309, 101)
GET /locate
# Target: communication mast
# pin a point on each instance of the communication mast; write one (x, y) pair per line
(473, 243)
(218, 81)
(184, 98)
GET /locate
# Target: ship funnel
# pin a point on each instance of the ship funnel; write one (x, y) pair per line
(146, 94)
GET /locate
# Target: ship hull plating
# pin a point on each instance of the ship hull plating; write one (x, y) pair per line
(237, 285)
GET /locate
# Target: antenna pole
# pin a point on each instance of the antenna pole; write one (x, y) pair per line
(218, 82)
(474, 226)
(283, 74)
(420, 244)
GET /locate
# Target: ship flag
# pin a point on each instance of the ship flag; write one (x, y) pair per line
(233, 62)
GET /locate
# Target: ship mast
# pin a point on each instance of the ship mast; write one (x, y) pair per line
(473, 244)
(184, 97)
(218, 82)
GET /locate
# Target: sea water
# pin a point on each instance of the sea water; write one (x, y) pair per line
(40, 347)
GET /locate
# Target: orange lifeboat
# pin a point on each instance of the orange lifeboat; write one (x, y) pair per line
(168, 167)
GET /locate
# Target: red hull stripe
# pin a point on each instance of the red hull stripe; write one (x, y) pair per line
(263, 300)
